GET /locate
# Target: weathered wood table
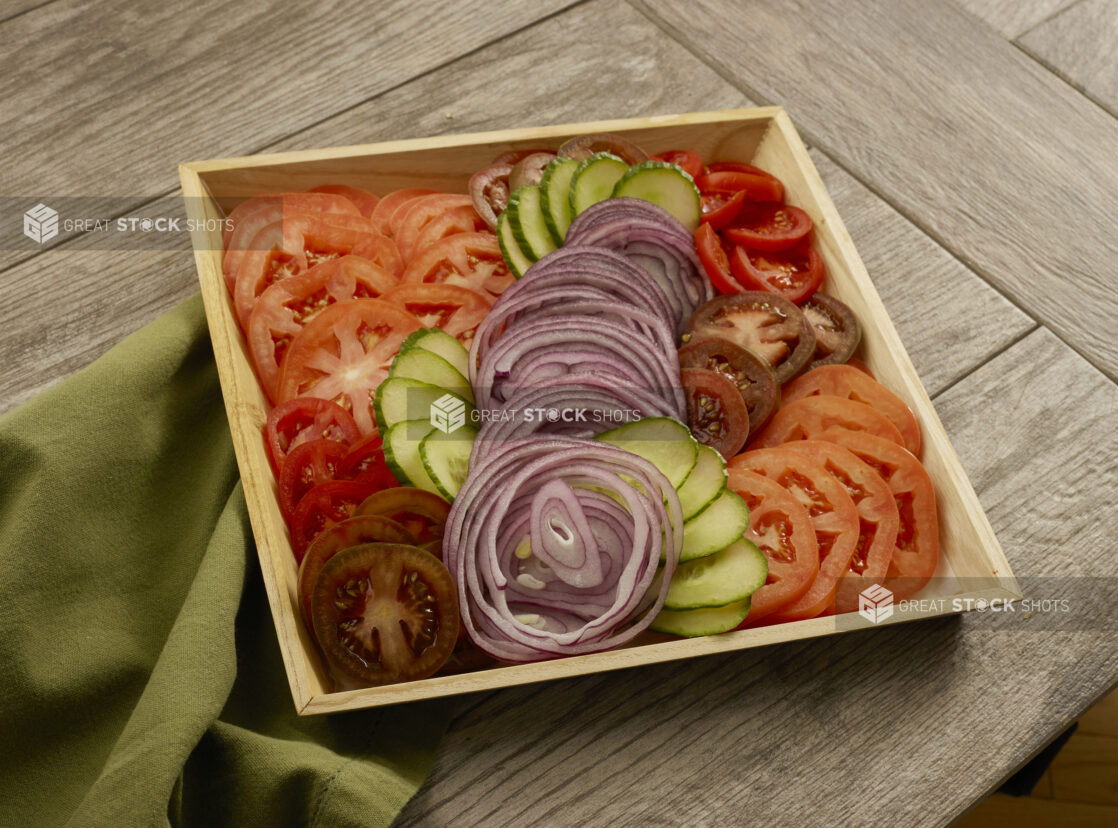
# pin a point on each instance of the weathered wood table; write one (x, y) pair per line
(972, 149)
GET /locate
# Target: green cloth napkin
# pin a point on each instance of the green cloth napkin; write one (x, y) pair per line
(140, 678)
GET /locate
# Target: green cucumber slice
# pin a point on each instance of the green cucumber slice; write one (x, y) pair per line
(665, 185)
(709, 621)
(399, 399)
(401, 453)
(528, 225)
(515, 258)
(716, 527)
(555, 196)
(594, 180)
(446, 458)
(440, 342)
(664, 442)
(726, 577)
(418, 364)
(704, 484)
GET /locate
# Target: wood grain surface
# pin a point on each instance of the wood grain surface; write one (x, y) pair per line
(1079, 45)
(1013, 18)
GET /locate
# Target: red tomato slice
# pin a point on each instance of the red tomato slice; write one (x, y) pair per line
(365, 461)
(298, 421)
(690, 162)
(453, 221)
(470, 260)
(807, 418)
(382, 215)
(258, 271)
(720, 209)
(363, 200)
(413, 216)
(456, 310)
(306, 466)
(782, 530)
(852, 384)
(736, 166)
(794, 274)
(833, 516)
(344, 353)
(758, 186)
(326, 505)
(769, 227)
(284, 308)
(917, 551)
(714, 259)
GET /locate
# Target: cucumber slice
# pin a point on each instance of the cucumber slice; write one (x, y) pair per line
(399, 399)
(664, 442)
(418, 364)
(726, 577)
(446, 458)
(665, 185)
(555, 196)
(716, 527)
(710, 621)
(440, 342)
(594, 180)
(528, 225)
(704, 484)
(401, 453)
(515, 258)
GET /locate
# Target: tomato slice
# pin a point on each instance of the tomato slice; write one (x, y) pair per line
(719, 208)
(690, 162)
(456, 310)
(736, 166)
(489, 189)
(423, 514)
(849, 383)
(753, 377)
(794, 274)
(386, 208)
(916, 555)
(350, 532)
(326, 505)
(365, 461)
(837, 332)
(757, 186)
(833, 516)
(781, 528)
(878, 518)
(471, 260)
(714, 260)
(298, 421)
(258, 271)
(344, 353)
(385, 612)
(363, 200)
(413, 216)
(716, 412)
(306, 466)
(453, 221)
(769, 227)
(808, 417)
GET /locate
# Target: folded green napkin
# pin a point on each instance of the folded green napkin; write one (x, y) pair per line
(140, 678)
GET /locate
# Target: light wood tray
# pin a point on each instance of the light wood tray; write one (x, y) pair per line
(764, 137)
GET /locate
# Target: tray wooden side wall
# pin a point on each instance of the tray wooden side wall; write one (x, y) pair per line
(764, 136)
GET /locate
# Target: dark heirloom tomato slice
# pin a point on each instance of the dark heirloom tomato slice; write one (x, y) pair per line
(423, 514)
(781, 528)
(753, 377)
(307, 466)
(719, 208)
(324, 506)
(528, 171)
(344, 353)
(456, 310)
(365, 462)
(757, 186)
(385, 612)
(283, 309)
(807, 418)
(767, 324)
(917, 551)
(690, 162)
(833, 516)
(716, 412)
(512, 156)
(350, 532)
(382, 215)
(878, 519)
(471, 260)
(418, 213)
(714, 260)
(837, 332)
(850, 383)
(584, 146)
(300, 420)
(489, 189)
(794, 274)
(363, 200)
(769, 227)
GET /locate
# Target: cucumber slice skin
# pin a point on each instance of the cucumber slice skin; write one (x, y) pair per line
(425, 366)
(401, 453)
(704, 484)
(664, 442)
(555, 197)
(696, 622)
(665, 185)
(726, 577)
(516, 259)
(446, 458)
(720, 524)
(595, 179)
(399, 399)
(440, 343)
(528, 225)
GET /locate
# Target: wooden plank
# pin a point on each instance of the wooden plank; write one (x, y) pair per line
(1014, 17)
(1034, 812)
(761, 732)
(1086, 770)
(14, 8)
(1102, 719)
(990, 153)
(1079, 45)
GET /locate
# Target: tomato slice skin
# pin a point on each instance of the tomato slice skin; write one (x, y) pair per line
(720, 209)
(416, 214)
(757, 186)
(363, 200)
(423, 513)
(303, 419)
(716, 411)
(794, 274)
(714, 260)
(808, 417)
(326, 505)
(472, 260)
(306, 466)
(390, 202)
(365, 462)
(453, 221)
(769, 227)
(753, 376)
(688, 161)
(454, 309)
